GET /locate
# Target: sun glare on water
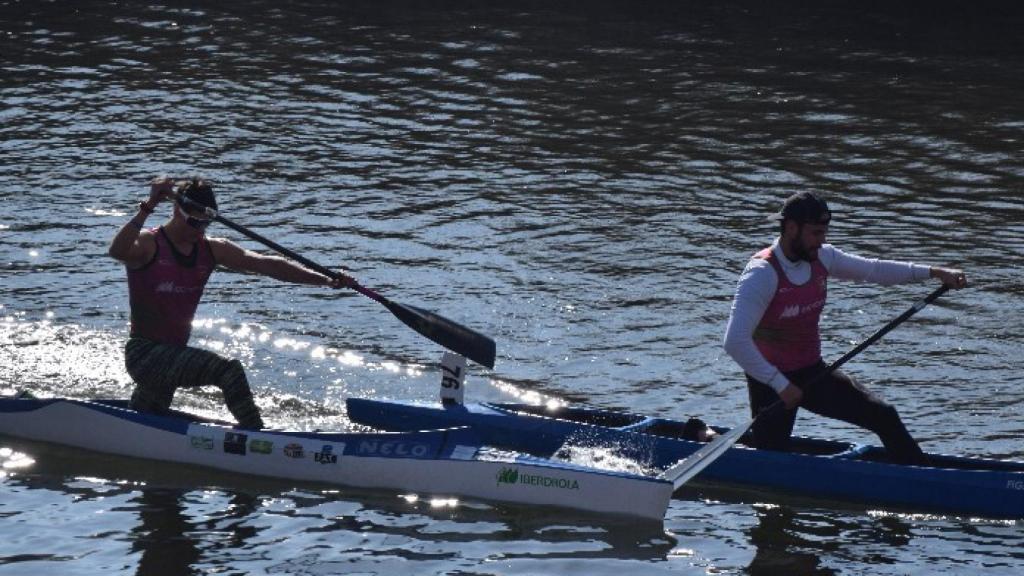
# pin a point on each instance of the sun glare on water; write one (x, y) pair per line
(13, 460)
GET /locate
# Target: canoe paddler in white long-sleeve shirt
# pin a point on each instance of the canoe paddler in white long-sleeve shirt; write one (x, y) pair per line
(773, 329)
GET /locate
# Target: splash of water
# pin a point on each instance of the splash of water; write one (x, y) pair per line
(603, 458)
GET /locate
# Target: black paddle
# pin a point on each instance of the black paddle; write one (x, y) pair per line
(453, 336)
(684, 470)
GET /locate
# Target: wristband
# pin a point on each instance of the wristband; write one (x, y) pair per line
(145, 207)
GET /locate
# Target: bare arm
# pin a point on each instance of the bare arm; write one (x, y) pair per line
(133, 245)
(235, 257)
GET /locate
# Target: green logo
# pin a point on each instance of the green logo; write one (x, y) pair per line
(508, 476)
(261, 446)
(201, 442)
(512, 476)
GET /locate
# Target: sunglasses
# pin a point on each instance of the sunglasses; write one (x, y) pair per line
(197, 223)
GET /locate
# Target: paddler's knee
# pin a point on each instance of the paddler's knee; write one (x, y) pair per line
(233, 369)
(887, 413)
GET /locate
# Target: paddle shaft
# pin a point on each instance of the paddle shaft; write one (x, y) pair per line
(682, 471)
(439, 329)
(917, 307)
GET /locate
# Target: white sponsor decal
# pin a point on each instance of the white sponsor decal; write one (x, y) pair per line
(797, 310)
(461, 452)
(393, 448)
(1015, 484)
(172, 288)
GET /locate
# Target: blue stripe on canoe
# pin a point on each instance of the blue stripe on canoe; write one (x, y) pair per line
(437, 443)
(428, 444)
(169, 423)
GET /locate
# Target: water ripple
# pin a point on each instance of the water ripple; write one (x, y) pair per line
(583, 184)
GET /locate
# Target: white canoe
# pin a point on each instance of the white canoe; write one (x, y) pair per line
(437, 463)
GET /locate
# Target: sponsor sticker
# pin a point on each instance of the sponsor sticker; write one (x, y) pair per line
(393, 448)
(294, 451)
(326, 455)
(1015, 484)
(512, 476)
(234, 443)
(508, 475)
(461, 452)
(260, 446)
(201, 442)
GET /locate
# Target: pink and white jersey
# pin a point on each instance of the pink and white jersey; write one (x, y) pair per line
(165, 293)
(788, 334)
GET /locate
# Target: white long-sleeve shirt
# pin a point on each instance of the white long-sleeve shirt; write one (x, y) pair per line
(757, 285)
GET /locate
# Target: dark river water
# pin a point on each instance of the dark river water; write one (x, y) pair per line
(581, 181)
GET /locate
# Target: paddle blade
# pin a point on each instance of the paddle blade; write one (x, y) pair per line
(681, 472)
(453, 336)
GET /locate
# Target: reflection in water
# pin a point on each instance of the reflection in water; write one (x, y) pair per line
(789, 541)
(174, 529)
(164, 535)
(781, 549)
(235, 525)
(153, 512)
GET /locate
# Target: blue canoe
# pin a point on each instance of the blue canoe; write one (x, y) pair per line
(811, 467)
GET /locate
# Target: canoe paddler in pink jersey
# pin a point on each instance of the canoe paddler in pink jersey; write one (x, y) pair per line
(167, 268)
(773, 329)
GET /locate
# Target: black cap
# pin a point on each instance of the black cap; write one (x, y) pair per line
(804, 208)
(197, 191)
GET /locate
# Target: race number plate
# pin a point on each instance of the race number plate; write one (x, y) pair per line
(453, 377)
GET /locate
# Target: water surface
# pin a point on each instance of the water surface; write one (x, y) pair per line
(583, 183)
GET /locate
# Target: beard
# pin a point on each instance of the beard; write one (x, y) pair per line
(800, 250)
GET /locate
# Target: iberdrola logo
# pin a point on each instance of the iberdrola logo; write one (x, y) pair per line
(512, 476)
(508, 476)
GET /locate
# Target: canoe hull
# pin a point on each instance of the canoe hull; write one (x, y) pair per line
(442, 463)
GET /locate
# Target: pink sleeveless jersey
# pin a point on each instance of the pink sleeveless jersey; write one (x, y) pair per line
(164, 294)
(788, 335)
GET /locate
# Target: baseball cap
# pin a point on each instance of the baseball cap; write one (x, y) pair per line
(199, 192)
(804, 208)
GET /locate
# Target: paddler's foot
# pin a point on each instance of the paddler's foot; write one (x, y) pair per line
(919, 459)
(245, 411)
(252, 423)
